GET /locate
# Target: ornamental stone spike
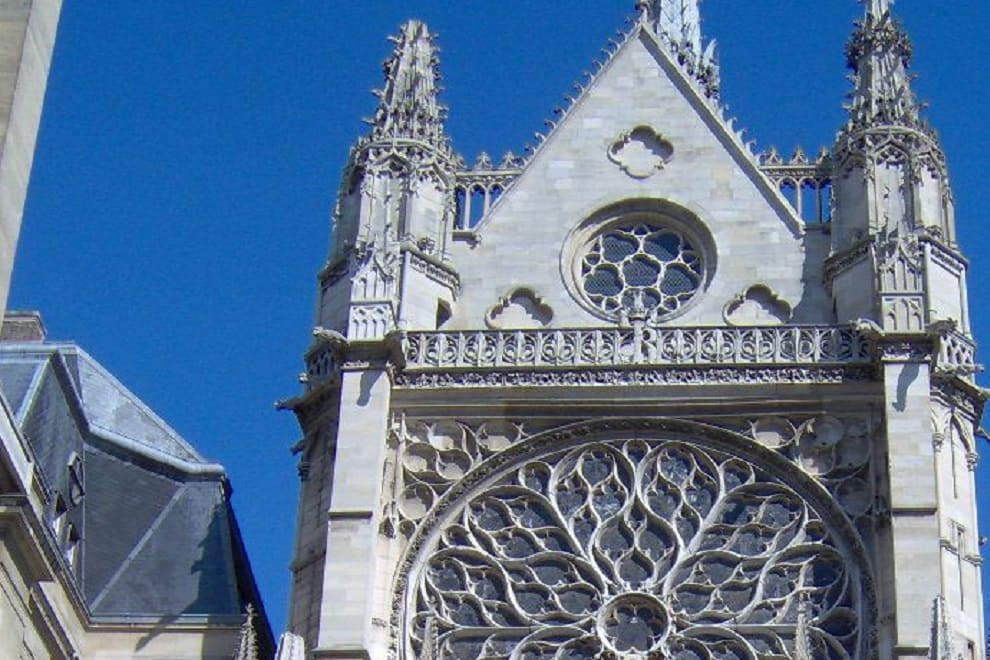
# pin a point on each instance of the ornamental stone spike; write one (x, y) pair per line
(879, 53)
(678, 24)
(247, 646)
(291, 647)
(408, 107)
(889, 172)
(941, 644)
(677, 20)
(879, 7)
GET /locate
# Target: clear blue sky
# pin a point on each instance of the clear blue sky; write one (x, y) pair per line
(190, 153)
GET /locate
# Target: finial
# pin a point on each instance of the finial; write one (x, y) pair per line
(879, 53)
(678, 24)
(291, 647)
(878, 7)
(247, 646)
(408, 106)
(941, 640)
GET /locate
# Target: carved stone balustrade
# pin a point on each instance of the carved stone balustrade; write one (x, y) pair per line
(645, 355)
(956, 356)
(806, 183)
(477, 189)
(648, 346)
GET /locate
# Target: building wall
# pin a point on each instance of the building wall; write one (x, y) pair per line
(449, 446)
(27, 35)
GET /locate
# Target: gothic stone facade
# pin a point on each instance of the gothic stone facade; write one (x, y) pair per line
(622, 399)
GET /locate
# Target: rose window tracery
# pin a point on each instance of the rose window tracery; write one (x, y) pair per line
(643, 267)
(635, 549)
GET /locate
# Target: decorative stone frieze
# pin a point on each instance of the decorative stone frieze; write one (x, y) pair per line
(645, 346)
(644, 377)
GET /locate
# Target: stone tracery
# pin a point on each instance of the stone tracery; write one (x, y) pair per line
(635, 548)
(641, 266)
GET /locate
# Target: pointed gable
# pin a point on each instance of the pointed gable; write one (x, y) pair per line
(643, 132)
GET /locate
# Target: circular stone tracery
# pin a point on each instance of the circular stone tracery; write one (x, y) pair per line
(634, 623)
(635, 548)
(641, 267)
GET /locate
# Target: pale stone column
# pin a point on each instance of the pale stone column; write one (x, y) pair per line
(350, 574)
(913, 499)
(27, 32)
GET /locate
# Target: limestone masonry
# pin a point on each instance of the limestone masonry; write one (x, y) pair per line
(642, 393)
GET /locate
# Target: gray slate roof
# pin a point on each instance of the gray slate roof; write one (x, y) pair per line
(158, 536)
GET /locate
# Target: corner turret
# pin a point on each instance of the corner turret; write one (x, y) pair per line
(395, 210)
(894, 254)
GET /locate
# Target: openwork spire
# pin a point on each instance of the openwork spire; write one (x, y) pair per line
(407, 105)
(247, 646)
(879, 54)
(941, 645)
(678, 24)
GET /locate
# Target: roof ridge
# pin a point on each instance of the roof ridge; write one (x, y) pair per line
(135, 400)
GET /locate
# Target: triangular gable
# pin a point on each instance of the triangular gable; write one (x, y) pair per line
(597, 162)
(641, 37)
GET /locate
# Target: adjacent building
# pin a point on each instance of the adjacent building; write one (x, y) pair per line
(134, 551)
(117, 538)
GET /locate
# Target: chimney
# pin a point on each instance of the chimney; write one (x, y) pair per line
(22, 326)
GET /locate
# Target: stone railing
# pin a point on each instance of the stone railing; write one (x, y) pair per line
(322, 365)
(648, 346)
(805, 182)
(956, 355)
(477, 189)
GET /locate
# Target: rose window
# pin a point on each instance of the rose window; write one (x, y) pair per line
(635, 549)
(640, 267)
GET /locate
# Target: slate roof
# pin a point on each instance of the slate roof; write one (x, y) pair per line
(158, 534)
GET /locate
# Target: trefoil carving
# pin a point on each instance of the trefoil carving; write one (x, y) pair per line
(521, 308)
(757, 305)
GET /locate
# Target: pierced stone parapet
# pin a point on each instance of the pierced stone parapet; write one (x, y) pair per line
(806, 183)
(646, 346)
(956, 356)
(476, 190)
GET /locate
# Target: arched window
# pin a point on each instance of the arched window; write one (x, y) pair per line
(650, 545)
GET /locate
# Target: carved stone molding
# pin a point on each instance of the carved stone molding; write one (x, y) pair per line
(641, 152)
(643, 377)
(846, 259)
(520, 308)
(957, 396)
(335, 271)
(757, 305)
(437, 272)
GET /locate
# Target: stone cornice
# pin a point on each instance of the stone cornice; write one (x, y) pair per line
(840, 261)
(646, 356)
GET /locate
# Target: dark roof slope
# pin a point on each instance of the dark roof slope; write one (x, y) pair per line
(155, 529)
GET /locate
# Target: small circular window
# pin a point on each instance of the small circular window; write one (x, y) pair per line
(639, 258)
(639, 266)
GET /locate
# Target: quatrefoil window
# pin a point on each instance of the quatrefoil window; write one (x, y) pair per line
(641, 267)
